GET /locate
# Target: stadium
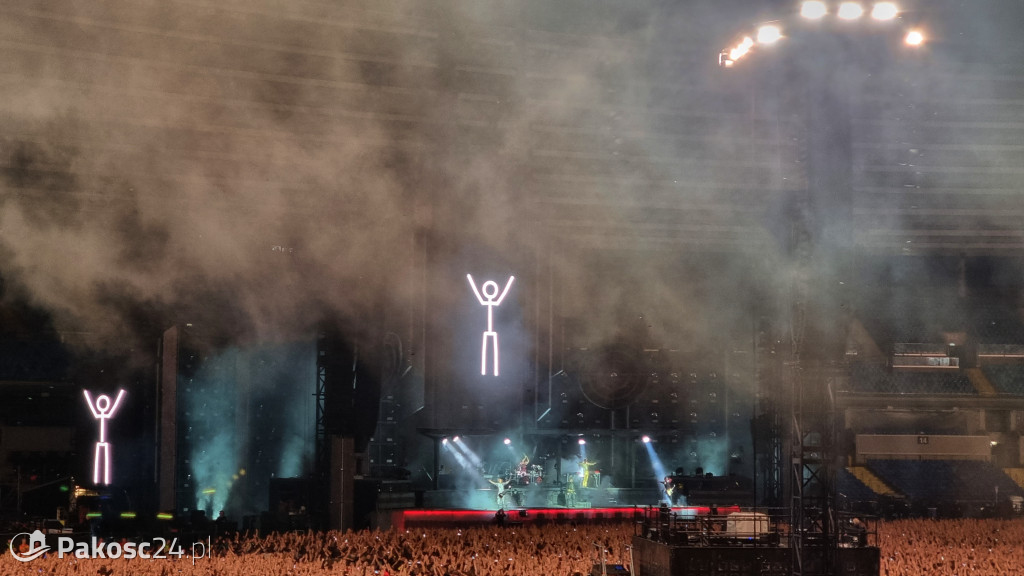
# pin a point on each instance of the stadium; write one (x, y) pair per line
(746, 277)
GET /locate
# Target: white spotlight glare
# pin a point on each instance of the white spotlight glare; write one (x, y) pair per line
(741, 50)
(646, 439)
(850, 10)
(768, 34)
(914, 38)
(884, 11)
(455, 439)
(508, 441)
(813, 9)
(582, 441)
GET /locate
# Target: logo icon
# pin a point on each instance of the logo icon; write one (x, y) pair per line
(30, 547)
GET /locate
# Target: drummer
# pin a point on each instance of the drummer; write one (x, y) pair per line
(522, 469)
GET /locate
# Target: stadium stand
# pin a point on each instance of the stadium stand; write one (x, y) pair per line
(1006, 378)
(852, 488)
(946, 480)
(872, 378)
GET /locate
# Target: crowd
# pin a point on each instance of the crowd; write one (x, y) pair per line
(553, 549)
(908, 548)
(952, 547)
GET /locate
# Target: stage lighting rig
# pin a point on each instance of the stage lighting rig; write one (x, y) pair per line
(813, 9)
(768, 34)
(850, 11)
(885, 11)
(914, 38)
(816, 13)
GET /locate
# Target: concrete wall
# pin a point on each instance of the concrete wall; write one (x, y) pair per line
(923, 447)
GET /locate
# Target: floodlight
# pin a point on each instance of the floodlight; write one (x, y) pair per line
(914, 38)
(884, 11)
(742, 49)
(813, 9)
(768, 34)
(850, 10)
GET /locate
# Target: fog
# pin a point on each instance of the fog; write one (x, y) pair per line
(257, 168)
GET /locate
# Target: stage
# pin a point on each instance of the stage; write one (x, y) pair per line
(399, 505)
(425, 518)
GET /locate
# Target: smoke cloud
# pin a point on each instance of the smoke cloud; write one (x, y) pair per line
(254, 168)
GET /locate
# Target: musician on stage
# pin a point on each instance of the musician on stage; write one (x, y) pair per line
(669, 488)
(585, 466)
(501, 484)
(570, 492)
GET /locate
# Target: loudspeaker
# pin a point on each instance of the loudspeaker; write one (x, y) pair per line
(342, 482)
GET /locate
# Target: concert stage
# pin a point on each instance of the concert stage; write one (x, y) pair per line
(398, 506)
(424, 518)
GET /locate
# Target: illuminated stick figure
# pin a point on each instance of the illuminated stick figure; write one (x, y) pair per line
(103, 410)
(490, 299)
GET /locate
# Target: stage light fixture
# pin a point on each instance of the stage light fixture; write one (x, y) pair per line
(646, 439)
(741, 50)
(582, 441)
(850, 10)
(455, 439)
(813, 9)
(768, 34)
(914, 38)
(884, 11)
(507, 441)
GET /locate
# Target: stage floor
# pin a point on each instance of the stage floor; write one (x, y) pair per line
(424, 518)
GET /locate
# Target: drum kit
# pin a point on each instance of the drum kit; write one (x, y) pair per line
(526, 475)
(523, 476)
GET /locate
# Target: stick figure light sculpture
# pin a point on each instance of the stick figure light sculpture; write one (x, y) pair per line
(102, 410)
(488, 296)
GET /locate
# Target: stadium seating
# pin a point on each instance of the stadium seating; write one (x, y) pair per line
(1006, 378)
(852, 489)
(946, 480)
(875, 378)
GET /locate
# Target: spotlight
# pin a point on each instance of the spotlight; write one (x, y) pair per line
(768, 34)
(914, 38)
(850, 10)
(741, 50)
(507, 441)
(444, 441)
(884, 11)
(582, 441)
(455, 439)
(646, 439)
(813, 9)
